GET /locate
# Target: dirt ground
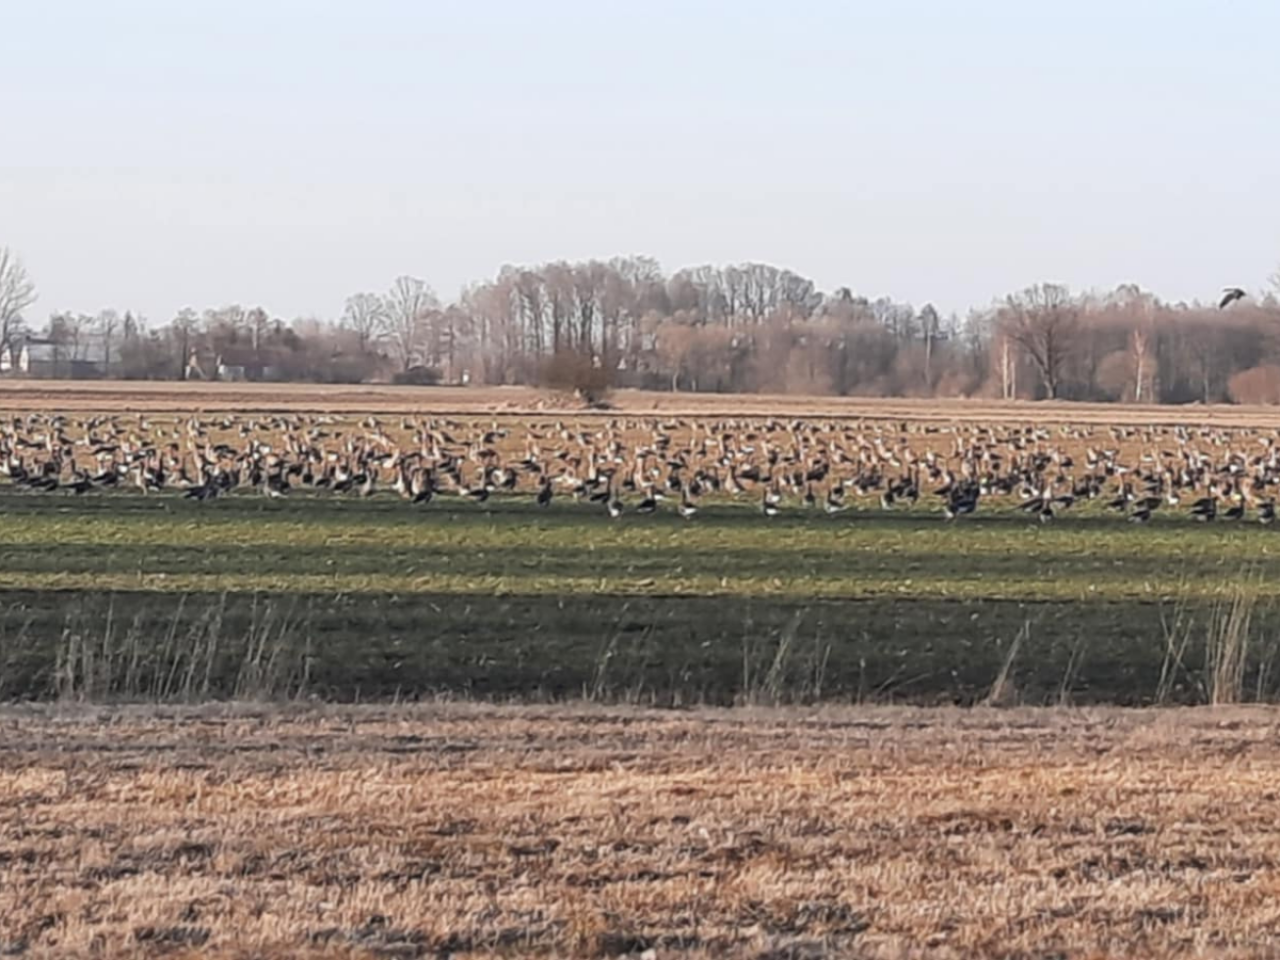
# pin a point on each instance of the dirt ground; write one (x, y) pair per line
(473, 830)
(24, 396)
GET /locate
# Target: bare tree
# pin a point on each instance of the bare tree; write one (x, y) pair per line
(930, 325)
(1044, 321)
(366, 317)
(452, 327)
(185, 327)
(66, 332)
(17, 292)
(1008, 370)
(560, 295)
(748, 327)
(530, 301)
(1142, 347)
(107, 322)
(257, 321)
(408, 305)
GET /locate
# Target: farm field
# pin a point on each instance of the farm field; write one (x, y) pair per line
(184, 556)
(128, 595)
(116, 397)
(596, 832)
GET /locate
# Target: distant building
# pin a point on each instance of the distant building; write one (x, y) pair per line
(245, 364)
(14, 360)
(85, 358)
(230, 371)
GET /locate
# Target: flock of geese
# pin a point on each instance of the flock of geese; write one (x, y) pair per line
(643, 465)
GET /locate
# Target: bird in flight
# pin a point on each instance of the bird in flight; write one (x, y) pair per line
(1230, 295)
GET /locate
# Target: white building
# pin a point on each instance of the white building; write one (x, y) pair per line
(85, 358)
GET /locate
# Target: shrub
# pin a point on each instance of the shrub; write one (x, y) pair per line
(419, 376)
(1256, 385)
(579, 373)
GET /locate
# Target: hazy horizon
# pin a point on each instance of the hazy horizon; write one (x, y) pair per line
(161, 156)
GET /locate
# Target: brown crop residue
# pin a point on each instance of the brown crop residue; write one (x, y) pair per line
(459, 830)
(22, 397)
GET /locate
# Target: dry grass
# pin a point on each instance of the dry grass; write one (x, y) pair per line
(591, 832)
(101, 397)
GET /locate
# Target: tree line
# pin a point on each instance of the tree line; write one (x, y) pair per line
(748, 328)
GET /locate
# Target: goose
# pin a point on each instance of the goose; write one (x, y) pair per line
(275, 486)
(422, 486)
(1035, 504)
(1121, 503)
(1229, 296)
(961, 503)
(1205, 509)
(207, 491)
(687, 508)
(545, 494)
(768, 505)
(425, 493)
(834, 502)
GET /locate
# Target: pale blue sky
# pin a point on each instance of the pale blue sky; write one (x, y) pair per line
(156, 154)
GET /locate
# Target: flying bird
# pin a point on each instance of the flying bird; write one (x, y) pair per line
(1230, 295)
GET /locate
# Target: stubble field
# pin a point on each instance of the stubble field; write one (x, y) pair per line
(596, 832)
